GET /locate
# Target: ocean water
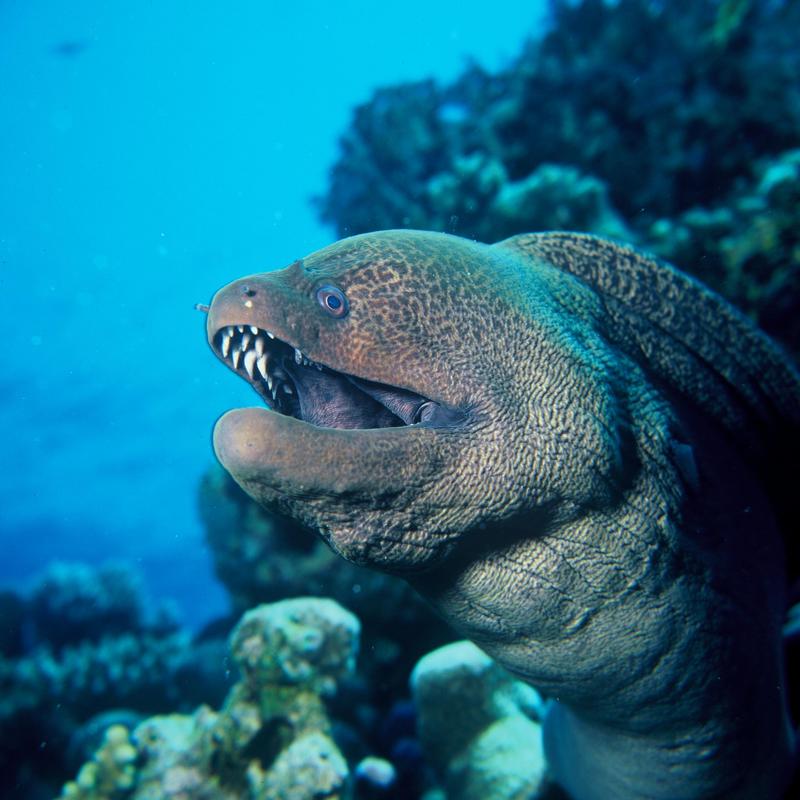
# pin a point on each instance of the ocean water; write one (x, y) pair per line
(150, 153)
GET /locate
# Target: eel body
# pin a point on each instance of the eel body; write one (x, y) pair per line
(575, 452)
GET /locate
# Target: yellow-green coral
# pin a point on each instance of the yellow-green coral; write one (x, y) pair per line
(111, 774)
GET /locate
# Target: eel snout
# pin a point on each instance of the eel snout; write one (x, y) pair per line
(264, 327)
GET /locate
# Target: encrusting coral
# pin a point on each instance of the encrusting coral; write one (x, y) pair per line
(272, 736)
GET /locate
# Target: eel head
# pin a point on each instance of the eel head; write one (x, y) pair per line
(376, 400)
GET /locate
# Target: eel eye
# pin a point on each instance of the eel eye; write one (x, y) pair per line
(332, 300)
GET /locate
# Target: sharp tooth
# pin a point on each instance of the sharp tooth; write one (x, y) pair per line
(261, 363)
(254, 330)
(269, 382)
(298, 356)
(318, 366)
(246, 339)
(260, 346)
(270, 334)
(249, 361)
(235, 356)
(274, 393)
(240, 328)
(286, 388)
(229, 330)
(226, 345)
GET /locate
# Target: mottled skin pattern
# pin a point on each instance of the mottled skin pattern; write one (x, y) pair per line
(602, 519)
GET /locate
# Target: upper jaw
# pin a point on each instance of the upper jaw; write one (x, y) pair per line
(262, 359)
(259, 327)
(292, 384)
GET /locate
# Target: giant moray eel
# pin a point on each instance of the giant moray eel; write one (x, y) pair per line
(576, 453)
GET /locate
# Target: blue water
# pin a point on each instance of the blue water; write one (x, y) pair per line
(149, 153)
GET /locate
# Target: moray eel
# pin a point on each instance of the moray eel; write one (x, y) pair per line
(576, 453)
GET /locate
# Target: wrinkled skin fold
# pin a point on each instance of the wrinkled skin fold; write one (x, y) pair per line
(570, 449)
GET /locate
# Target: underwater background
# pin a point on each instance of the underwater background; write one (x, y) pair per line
(149, 154)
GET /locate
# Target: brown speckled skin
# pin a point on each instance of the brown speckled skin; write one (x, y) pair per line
(599, 522)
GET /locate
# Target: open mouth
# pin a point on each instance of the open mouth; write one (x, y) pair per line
(292, 384)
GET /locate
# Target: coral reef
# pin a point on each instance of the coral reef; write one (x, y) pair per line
(78, 603)
(261, 557)
(115, 658)
(96, 652)
(673, 125)
(12, 618)
(555, 195)
(748, 246)
(479, 727)
(272, 737)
